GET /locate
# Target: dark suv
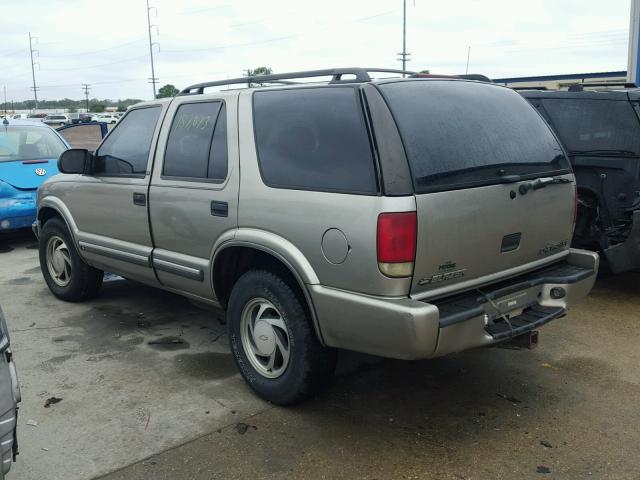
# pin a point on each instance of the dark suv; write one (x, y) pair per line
(601, 132)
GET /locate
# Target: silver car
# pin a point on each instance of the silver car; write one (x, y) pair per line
(9, 399)
(407, 218)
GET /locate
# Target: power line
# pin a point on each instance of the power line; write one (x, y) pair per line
(33, 71)
(91, 52)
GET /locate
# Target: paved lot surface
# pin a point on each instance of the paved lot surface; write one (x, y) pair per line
(567, 410)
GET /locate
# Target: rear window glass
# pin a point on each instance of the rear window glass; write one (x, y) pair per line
(314, 139)
(462, 134)
(586, 125)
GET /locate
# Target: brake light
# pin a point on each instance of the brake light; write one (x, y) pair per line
(396, 240)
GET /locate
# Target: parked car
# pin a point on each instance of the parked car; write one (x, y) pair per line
(28, 156)
(20, 116)
(9, 399)
(57, 120)
(37, 116)
(107, 118)
(407, 218)
(601, 132)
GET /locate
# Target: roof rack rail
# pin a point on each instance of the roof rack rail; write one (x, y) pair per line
(530, 88)
(336, 74)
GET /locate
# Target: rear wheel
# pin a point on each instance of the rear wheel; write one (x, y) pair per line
(273, 341)
(66, 274)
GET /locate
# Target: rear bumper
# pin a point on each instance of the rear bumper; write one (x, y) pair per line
(407, 329)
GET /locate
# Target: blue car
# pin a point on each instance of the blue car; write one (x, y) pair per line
(29, 154)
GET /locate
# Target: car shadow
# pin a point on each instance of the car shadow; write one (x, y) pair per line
(17, 239)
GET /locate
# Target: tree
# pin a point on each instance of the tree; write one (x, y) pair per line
(259, 71)
(167, 91)
(424, 71)
(96, 107)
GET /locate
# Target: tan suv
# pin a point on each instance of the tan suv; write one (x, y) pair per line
(408, 218)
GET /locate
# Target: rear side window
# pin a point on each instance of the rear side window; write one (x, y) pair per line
(126, 150)
(197, 143)
(463, 134)
(313, 139)
(587, 125)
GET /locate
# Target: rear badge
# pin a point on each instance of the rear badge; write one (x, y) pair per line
(552, 247)
(41, 172)
(447, 272)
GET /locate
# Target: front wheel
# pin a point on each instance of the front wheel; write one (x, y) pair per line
(273, 341)
(68, 277)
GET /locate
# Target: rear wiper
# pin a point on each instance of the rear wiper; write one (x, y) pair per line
(624, 153)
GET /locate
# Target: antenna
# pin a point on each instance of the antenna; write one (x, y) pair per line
(33, 70)
(153, 80)
(466, 70)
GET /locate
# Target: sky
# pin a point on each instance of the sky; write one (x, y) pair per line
(105, 42)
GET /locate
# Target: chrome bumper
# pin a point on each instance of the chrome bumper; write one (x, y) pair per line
(405, 328)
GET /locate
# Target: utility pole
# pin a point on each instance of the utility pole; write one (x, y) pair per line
(404, 56)
(466, 70)
(33, 70)
(86, 87)
(153, 78)
(5, 99)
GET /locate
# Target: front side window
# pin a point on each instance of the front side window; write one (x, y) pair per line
(313, 139)
(197, 143)
(126, 150)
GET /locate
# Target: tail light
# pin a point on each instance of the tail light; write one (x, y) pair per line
(396, 239)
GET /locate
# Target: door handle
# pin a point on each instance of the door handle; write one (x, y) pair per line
(219, 209)
(139, 199)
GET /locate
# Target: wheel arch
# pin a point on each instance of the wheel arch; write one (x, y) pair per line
(51, 207)
(237, 257)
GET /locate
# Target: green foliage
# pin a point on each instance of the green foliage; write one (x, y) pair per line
(167, 91)
(424, 71)
(97, 107)
(259, 71)
(69, 104)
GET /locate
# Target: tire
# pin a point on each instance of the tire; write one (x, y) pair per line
(309, 367)
(76, 281)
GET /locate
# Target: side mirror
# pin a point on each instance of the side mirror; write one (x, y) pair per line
(74, 160)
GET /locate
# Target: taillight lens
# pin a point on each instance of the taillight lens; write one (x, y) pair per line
(396, 238)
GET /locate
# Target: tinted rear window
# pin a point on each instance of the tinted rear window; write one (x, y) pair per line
(314, 139)
(462, 134)
(585, 125)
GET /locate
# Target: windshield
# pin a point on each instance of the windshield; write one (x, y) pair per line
(29, 143)
(594, 125)
(463, 134)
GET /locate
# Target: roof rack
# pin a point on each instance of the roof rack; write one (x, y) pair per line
(336, 74)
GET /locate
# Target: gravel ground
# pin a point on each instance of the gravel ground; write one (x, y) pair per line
(135, 410)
